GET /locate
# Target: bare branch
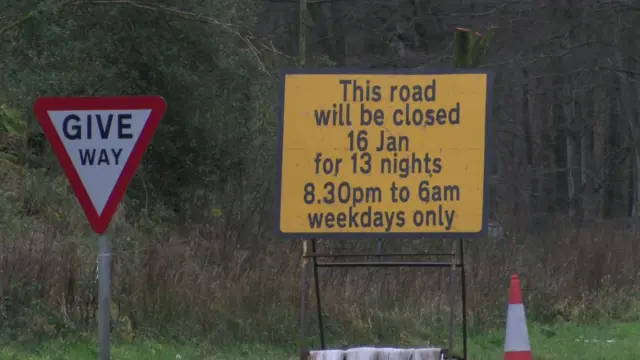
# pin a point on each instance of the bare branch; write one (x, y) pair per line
(27, 17)
(185, 15)
(492, 10)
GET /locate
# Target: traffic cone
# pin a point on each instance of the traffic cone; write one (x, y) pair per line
(516, 342)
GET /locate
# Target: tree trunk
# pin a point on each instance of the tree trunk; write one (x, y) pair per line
(587, 167)
(628, 107)
(560, 135)
(528, 143)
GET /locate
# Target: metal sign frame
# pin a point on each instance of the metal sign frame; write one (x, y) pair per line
(309, 261)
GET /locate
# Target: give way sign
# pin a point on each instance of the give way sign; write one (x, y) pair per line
(99, 142)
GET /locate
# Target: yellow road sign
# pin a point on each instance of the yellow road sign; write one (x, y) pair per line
(383, 153)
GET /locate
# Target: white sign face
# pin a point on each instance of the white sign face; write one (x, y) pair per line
(99, 143)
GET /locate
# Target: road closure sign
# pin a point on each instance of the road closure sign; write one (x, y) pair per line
(381, 154)
(99, 142)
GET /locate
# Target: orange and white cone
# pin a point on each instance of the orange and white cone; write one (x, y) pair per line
(516, 342)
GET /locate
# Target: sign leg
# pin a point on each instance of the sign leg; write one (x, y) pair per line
(318, 301)
(463, 283)
(452, 295)
(304, 288)
(104, 298)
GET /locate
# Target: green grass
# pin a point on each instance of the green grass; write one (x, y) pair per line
(607, 341)
(564, 342)
(141, 351)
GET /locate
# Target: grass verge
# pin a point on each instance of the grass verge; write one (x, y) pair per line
(561, 342)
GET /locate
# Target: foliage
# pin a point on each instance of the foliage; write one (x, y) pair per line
(10, 121)
(208, 82)
(470, 48)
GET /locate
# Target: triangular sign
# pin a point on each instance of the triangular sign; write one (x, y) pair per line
(99, 142)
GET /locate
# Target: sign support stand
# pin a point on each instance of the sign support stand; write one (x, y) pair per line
(317, 289)
(453, 260)
(104, 297)
(452, 295)
(304, 287)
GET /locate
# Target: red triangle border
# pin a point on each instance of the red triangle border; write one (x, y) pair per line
(99, 222)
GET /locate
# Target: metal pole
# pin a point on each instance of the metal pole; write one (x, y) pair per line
(318, 301)
(104, 297)
(304, 286)
(452, 294)
(464, 300)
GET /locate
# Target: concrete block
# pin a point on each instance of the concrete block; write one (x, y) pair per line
(327, 355)
(363, 353)
(371, 353)
(396, 354)
(426, 354)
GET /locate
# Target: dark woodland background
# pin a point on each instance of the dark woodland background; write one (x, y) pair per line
(194, 251)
